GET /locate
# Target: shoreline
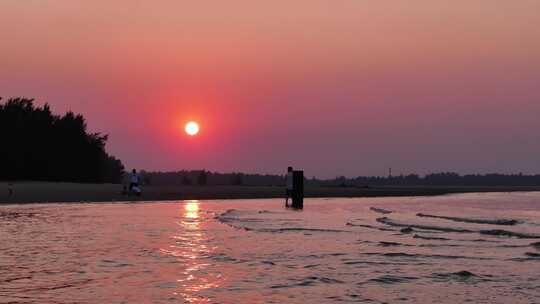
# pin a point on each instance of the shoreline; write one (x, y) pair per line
(47, 192)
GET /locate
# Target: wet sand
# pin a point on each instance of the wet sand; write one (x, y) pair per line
(43, 192)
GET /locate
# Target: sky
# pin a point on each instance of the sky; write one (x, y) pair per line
(335, 87)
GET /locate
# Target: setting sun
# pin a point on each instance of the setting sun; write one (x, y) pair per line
(192, 128)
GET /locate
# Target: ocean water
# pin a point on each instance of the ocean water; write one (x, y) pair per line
(476, 248)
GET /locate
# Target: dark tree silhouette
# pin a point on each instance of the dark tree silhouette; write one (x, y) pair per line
(202, 179)
(435, 179)
(38, 145)
(186, 181)
(237, 179)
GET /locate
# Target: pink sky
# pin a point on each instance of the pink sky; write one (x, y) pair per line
(342, 87)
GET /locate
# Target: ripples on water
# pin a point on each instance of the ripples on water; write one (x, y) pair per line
(481, 248)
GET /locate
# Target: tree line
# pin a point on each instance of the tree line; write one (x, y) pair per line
(41, 146)
(203, 177)
(437, 179)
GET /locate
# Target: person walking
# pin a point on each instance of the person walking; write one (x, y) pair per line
(289, 186)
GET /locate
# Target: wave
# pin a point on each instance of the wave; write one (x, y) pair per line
(380, 210)
(529, 256)
(407, 230)
(356, 262)
(535, 245)
(393, 244)
(290, 229)
(438, 245)
(245, 220)
(503, 222)
(494, 232)
(68, 284)
(300, 229)
(323, 255)
(460, 276)
(221, 257)
(113, 263)
(9, 280)
(369, 226)
(309, 281)
(429, 238)
(233, 218)
(391, 279)
(237, 215)
(389, 222)
(507, 233)
(231, 212)
(424, 256)
(481, 240)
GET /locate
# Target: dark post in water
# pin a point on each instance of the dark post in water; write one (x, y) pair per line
(298, 190)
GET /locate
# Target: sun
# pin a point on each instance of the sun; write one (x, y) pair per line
(192, 128)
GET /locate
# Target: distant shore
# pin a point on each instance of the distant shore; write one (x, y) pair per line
(45, 192)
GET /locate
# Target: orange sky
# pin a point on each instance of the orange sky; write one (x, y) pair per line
(336, 87)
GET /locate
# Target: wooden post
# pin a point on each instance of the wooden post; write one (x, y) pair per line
(298, 190)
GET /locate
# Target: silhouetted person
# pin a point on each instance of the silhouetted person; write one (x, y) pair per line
(289, 186)
(10, 190)
(134, 180)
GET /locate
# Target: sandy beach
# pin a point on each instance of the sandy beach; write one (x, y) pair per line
(43, 192)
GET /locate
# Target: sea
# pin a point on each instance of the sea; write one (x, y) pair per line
(463, 248)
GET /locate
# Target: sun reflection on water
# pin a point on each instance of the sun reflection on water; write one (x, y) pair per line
(191, 246)
(191, 209)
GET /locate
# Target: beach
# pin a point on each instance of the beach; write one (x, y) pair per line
(44, 192)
